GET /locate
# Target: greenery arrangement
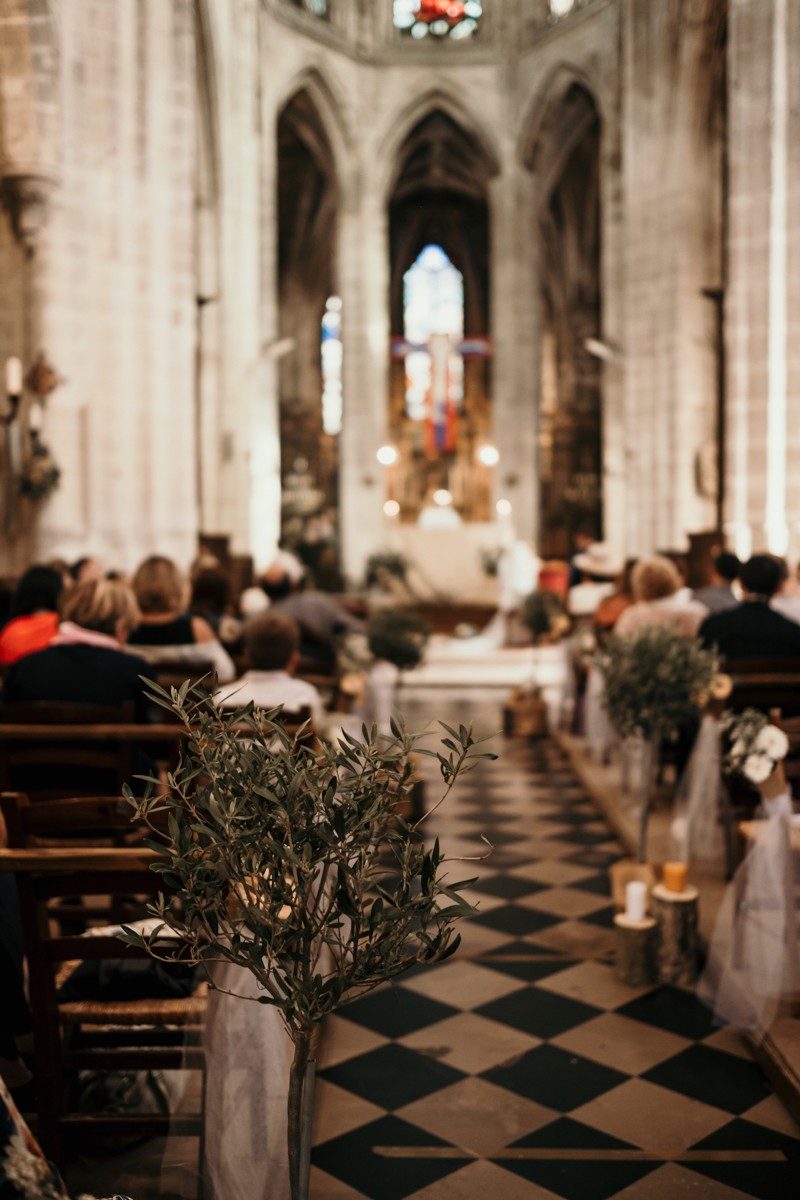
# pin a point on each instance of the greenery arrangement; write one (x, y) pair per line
(655, 681)
(40, 473)
(387, 562)
(543, 613)
(398, 637)
(290, 860)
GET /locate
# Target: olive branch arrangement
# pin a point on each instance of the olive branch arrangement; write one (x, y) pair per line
(290, 858)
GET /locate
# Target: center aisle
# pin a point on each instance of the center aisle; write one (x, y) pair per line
(521, 1068)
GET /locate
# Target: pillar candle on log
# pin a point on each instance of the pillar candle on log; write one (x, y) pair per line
(676, 914)
(635, 900)
(674, 876)
(636, 950)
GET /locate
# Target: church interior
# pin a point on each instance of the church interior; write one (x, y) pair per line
(380, 365)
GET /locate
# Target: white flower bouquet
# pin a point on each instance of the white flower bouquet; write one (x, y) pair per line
(756, 745)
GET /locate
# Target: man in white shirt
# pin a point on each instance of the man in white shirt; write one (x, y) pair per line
(272, 644)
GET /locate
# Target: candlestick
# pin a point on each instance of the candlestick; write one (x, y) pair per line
(13, 377)
(674, 876)
(35, 418)
(635, 900)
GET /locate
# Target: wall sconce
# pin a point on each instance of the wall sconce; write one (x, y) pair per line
(13, 387)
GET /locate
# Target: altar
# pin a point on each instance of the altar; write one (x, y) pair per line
(447, 564)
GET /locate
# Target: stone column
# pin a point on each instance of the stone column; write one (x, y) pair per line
(516, 333)
(363, 273)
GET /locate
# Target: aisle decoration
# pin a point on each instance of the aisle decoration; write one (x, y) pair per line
(656, 682)
(291, 862)
(757, 747)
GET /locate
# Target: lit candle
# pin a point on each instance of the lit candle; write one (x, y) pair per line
(35, 418)
(635, 900)
(13, 377)
(674, 877)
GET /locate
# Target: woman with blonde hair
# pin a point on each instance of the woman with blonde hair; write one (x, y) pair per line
(85, 661)
(657, 585)
(166, 629)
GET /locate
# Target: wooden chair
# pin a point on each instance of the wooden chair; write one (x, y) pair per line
(765, 683)
(34, 759)
(132, 1035)
(173, 672)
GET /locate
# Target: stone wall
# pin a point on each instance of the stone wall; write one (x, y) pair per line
(149, 127)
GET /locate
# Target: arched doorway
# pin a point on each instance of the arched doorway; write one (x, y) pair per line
(310, 319)
(566, 160)
(440, 393)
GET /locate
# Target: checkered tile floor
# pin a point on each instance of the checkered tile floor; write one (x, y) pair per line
(521, 1067)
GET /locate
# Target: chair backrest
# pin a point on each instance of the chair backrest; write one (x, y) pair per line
(52, 712)
(765, 683)
(34, 759)
(73, 820)
(173, 672)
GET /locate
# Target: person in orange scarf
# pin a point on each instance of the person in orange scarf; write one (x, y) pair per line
(34, 614)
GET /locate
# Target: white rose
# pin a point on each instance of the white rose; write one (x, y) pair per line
(757, 768)
(772, 741)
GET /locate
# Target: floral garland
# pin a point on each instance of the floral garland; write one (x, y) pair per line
(757, 746)
(40, 472)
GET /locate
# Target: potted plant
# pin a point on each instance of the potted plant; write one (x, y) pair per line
(290, 860)
(656, 682)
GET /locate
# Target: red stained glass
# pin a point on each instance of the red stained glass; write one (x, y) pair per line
(436, 10)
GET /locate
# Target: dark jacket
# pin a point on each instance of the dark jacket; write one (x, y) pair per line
(81, 674)
(752, 630)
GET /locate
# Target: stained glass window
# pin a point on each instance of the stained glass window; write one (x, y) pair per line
(438, 18)
(433, 297)
(332, 367)
(320, 8)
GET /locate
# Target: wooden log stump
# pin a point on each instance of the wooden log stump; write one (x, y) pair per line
(636, 950)
(676, 914)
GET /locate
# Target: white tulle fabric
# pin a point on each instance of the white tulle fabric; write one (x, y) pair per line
(248, 1055)
(695, 831)
(754, 955)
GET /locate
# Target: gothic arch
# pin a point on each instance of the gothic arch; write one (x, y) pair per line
(330, 108)
(547, 133)
(401, 125)
(563, 151)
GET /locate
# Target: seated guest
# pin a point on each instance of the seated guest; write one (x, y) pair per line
(753, 629)
(166, 629)
(85, 661)
(599, 567)
(718, 595)
(210, 600)
(609, 610)
(786, 600)
(658, 600)
(320, 617)
(272, 648)
(33, 618)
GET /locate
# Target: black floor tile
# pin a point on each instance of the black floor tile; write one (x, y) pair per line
(704, 1073)
(603, 917)
(508, 886)
(764, 1180)
(530, 948)
(740, 1132)
(582, 1180)
(530, 969)
(540, 1013)
(602, 858)
(587, 837)
(392, 1076)
(516, 921)
(566, 1134)
(672, 1009)
(555, 1078)
(355, 1158)
(598, 885)
(396, 1012)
